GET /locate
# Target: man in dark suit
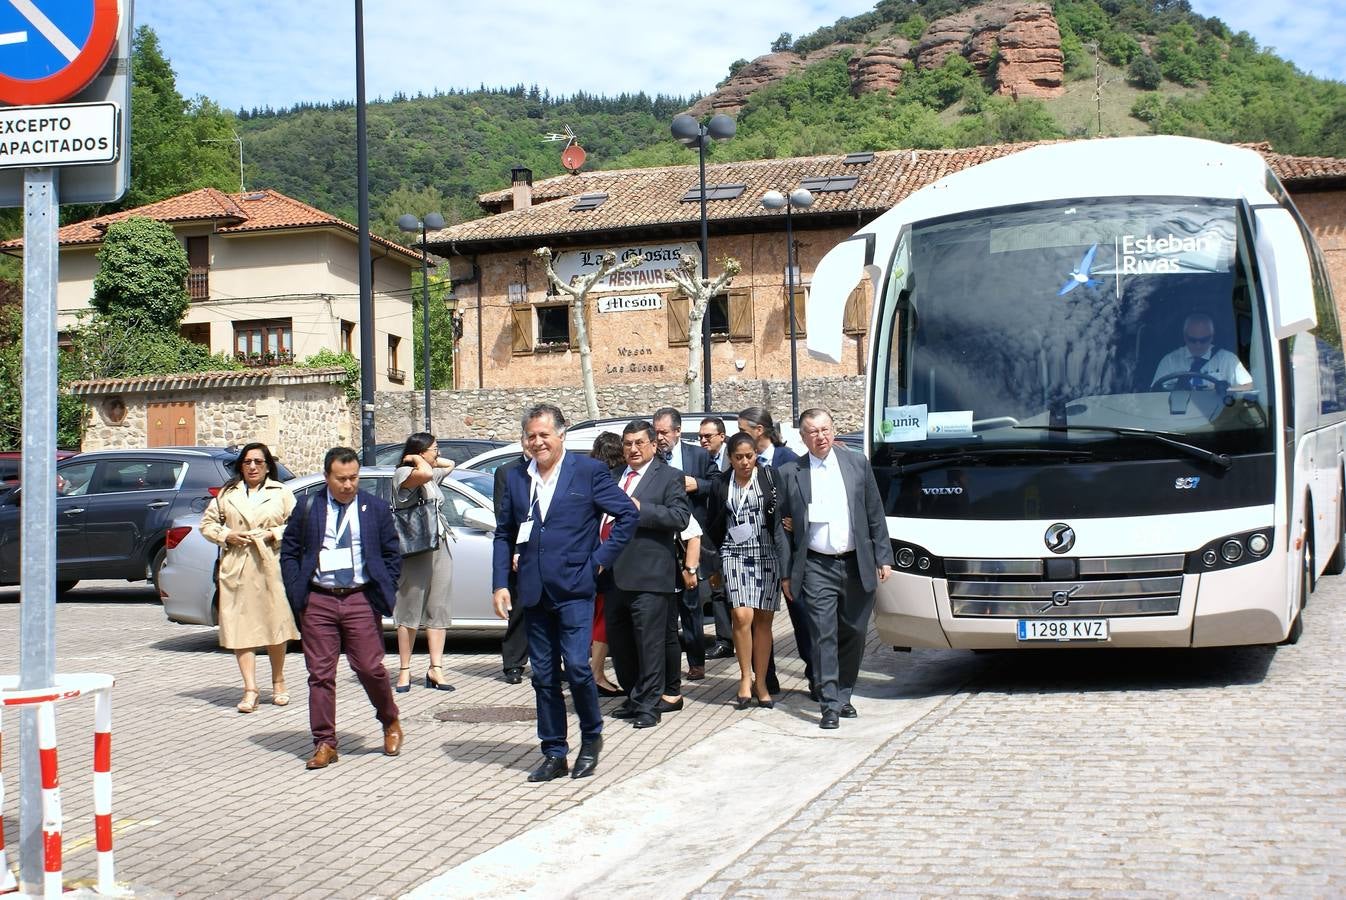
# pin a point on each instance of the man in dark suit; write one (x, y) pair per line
(840, 550)
(686, 633)
(340, 560)
(514, 645)
(711, 438)
(638, 590)
(547, 534)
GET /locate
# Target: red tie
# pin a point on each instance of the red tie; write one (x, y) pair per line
(606, 531)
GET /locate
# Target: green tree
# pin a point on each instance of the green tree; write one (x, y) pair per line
(142, 275)
(419, 202)
(1144, 73)
(441, 332)
(782, 43)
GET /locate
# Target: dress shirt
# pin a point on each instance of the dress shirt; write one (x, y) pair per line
(329, 542)
(543, 489)
(829, 492)
(628, 486)
(721, 459)
(1217, 363)
(675, 456)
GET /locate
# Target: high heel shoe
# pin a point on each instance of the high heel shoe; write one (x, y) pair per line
(437, 685)
(279, 695)
(403, 688)
(742, 702)
(244, 706)
(768, 703)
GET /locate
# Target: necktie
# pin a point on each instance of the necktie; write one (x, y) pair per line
(606, 531)
(343, 577)
(666, 455)
(762, 458)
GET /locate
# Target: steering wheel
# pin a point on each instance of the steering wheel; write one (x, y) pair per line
(1171, 381)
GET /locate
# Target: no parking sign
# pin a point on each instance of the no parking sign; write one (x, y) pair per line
(51, 49)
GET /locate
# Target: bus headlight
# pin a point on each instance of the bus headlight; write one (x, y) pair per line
(913, 558)
(1258, 544)
(905, 557)
(1231, 550)
(1210, 557)
(1244, 548)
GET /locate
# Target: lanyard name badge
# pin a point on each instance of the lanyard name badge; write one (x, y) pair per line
(337, 558)
(741, 533)
(526, 526)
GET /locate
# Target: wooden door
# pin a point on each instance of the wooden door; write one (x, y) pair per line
(171, 424)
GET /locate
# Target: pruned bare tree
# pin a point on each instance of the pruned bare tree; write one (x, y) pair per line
(699, 291)
(578, 292)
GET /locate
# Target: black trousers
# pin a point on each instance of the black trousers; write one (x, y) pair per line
(691, 635)
(514, 647)
(637, 636)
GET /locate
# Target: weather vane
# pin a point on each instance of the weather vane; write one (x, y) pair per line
(572, 157)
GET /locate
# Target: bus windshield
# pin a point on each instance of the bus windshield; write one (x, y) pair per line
(1089, 325)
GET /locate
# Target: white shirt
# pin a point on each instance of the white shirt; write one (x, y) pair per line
(675, 456)
(631, 487)
(722, 458)
(833, 535)
(329, 541)
(1218, 363)
(543, 489)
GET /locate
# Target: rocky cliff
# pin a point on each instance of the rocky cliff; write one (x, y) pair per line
(1015, 44)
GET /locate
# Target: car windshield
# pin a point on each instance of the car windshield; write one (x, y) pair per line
(1078, 323)
(480, 482)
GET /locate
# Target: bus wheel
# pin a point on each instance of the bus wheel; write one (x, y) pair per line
(1336, 564)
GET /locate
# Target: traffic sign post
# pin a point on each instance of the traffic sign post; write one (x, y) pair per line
(52, 51)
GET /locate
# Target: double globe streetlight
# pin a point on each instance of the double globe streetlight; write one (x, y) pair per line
(432, 222)
(691, 133)
(799, 198)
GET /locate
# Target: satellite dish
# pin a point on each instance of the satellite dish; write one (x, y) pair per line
(572, 158)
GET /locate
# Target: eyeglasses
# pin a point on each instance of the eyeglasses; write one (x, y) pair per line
(640, 443)
(1198, 340)
(253, 462)
(706, 437)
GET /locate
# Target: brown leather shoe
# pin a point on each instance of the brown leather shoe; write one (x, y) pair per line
(696, 673)
(392, 738)
(324, 756)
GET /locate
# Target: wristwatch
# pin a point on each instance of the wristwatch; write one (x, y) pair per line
(689, 570)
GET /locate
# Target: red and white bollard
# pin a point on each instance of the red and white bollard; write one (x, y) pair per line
(67, 687)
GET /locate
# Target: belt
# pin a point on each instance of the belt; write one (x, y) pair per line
(338, 591)
(849, 554)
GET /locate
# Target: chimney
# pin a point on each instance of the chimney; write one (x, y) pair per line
(522, 179)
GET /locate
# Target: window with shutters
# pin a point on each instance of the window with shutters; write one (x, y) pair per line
(801, 306)
(856, 318)
(264, 342)
(198, 267)
(521, 317)
(728, 317)
(396, 373)
(553, 328)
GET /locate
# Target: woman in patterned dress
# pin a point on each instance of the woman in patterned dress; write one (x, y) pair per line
(746, 524)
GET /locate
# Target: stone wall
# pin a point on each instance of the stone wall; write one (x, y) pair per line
(494, 413)
(298, 414)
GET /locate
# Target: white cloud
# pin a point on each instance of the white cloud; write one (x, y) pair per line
(1306, 32)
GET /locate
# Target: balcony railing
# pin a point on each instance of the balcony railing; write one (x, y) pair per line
(265, 360)
(198, 285)
(396, 376)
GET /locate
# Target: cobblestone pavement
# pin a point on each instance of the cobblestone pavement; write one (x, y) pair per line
(208, 802)
(1135, 774)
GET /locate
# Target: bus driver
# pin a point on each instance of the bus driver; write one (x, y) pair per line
(1198, 364)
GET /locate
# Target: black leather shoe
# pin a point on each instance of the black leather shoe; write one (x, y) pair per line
(550, 767)
(625, 711)
(848, 711)
(587, 760)
(829, 720)
(513, 676)
(610, 692)
(645, 720)
(719, 650)
(773, 684)
(663, 706)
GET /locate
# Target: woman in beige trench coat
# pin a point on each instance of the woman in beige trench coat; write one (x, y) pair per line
(247, 519)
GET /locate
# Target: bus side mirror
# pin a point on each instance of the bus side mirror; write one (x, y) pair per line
(1286, 275)
(833, 281)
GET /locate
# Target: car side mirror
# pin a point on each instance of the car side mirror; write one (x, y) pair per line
(479, 519)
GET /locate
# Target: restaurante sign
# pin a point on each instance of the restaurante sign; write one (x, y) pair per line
(653, 272)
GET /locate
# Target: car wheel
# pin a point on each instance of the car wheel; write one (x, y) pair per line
(65, 587)
(156, 564)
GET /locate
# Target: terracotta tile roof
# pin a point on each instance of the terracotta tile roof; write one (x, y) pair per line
(641, 198)
(189, 380)
(251, 211)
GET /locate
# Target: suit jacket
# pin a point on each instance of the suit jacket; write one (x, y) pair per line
(773, 536)
(650, 561)
(501, 489)
(782, 455)
(563, 553)
(869, 527)
(697, 463)
(378, 544)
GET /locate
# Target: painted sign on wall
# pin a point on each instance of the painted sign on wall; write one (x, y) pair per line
(657, 260)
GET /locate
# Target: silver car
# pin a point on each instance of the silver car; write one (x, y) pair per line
(187, 578)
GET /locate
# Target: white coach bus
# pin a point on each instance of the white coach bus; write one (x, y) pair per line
(1105, 399)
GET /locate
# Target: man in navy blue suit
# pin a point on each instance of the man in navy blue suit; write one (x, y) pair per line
(340, 560)
(547, 533)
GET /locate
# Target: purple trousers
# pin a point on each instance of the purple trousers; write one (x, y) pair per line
(329, 625)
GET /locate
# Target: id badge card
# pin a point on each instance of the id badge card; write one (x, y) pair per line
(525, 532)
(336, 559)
(739, 534)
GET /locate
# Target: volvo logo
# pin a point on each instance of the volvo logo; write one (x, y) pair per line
(1060, 538)
(942, 490)
(1061, 598)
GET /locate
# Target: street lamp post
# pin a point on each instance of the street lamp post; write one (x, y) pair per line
(691, 133)
(799, 198)
(432, 222)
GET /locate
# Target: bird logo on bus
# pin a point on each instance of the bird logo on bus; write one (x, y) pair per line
(1081, 275)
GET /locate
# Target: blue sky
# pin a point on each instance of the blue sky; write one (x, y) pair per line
(244, 53)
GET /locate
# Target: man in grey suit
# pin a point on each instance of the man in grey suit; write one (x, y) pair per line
(839, 551)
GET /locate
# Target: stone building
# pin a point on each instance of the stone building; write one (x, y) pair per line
(516, 330)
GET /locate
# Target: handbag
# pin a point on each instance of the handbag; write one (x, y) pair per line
(417, 525)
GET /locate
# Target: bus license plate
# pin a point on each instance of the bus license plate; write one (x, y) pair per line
(1063, 629)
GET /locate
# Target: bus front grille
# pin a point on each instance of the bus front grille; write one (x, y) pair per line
(1104, 586)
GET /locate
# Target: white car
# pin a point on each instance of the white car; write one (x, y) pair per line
(187, 578)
